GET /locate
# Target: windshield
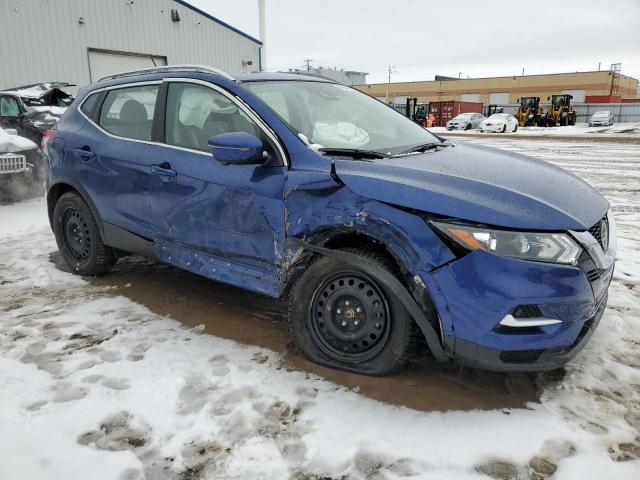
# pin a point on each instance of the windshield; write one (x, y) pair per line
(601, 114)
(498, 116)
(464, 116)
(340, 117)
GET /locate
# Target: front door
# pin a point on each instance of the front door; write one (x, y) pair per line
(222, 221)
(9, 112)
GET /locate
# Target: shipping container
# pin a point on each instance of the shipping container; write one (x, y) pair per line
(631, 100)
(445, 111)
(601, 99)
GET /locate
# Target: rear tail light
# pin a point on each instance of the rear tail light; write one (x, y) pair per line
(47, 136)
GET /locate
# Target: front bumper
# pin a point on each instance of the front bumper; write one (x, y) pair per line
(475, 293)
(492, 128)
(456, 126)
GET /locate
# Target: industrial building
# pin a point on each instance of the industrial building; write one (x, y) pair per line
(80, 41)
(348, 77)
(507, 90)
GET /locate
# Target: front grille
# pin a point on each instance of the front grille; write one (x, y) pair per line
(593, 275)
(12, 163)
(596, 231)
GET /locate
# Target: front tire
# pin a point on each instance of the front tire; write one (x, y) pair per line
(504, 129)
(341, 317)
(78, 237)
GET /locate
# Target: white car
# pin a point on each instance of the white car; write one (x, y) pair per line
(601, 118)
(465, 121)
(500, 123)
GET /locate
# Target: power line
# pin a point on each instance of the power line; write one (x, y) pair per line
(307, 63)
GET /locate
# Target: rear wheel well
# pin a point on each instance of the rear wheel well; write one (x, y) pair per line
(54, 195)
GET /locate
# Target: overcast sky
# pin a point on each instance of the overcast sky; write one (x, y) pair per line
(422, 38)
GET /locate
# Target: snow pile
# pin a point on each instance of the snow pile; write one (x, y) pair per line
(579, 130)
(95, 386)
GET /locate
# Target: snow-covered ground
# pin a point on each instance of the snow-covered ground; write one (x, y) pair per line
(93, 385)
(624, 130)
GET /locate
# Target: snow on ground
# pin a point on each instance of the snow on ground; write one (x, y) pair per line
(93, 385)
(624, 130)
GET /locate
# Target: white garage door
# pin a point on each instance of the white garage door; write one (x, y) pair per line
(578, 95)
(470, 97)
(102, 64)
(498, 98)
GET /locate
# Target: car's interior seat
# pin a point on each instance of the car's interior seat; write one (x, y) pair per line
(134, 121)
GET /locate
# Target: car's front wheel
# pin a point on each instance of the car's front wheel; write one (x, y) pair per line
(342, 317)
(78, 237)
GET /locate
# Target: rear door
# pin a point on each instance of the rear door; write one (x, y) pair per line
(222, 221)
(113, 155)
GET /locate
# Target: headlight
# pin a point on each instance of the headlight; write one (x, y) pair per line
(542, 247)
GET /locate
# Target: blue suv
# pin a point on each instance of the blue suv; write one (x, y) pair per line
(378, 232)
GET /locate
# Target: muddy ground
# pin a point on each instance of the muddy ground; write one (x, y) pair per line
(254, 319)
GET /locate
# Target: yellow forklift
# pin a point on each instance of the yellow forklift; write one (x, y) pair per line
(561, 111)
(530, 113)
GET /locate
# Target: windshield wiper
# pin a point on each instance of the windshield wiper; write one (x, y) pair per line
(424, 147)
(354, 153)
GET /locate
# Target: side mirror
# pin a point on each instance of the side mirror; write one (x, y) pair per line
(238, 148)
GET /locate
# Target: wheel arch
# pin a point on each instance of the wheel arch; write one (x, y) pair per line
(65, 185)
(333, 240)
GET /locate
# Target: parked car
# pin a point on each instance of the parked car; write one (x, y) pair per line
(601, 118)
(465, 121)
(21, 168)
(33, 109)
(376, 230)
(500, 123)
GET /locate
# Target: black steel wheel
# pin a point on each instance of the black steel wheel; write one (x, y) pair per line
(342, 317)
(349, 316)
(78, 236)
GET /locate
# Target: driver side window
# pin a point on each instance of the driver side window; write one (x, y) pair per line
(195, 113)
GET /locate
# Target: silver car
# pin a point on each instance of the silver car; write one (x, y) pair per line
(465, 121)
(601, 118)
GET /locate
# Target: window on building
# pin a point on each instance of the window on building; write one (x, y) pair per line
(128, 112)
(196, 112)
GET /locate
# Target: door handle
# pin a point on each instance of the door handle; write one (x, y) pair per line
(85, 153)
(164, 171)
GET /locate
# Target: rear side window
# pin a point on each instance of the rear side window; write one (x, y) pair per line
(128, 112)
(89, 104)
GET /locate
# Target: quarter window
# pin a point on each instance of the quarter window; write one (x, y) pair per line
(196, 112)
(128, 112)
(89, 104)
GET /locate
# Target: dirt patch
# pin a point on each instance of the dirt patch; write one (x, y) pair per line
(254, 319)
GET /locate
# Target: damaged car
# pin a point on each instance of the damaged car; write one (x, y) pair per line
(33, 109)
(383, 237)
(21, 168)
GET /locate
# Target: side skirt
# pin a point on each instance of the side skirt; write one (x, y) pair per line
(122, 239)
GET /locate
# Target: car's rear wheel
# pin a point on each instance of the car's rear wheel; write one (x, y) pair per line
(78, 237)
(515, 129)
(342, 317)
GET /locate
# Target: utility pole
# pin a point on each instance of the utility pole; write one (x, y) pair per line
(391, 70)
(307, 63)
(262, 25)
(599, 65)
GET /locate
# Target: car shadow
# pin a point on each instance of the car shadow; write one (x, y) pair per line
(249, 318)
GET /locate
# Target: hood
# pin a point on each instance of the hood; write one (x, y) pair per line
(479, 184)
(14, 143)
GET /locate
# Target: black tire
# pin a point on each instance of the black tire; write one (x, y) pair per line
(78, 237)
(515, 129)
(375, 341)
(504, 128)
(468, 127)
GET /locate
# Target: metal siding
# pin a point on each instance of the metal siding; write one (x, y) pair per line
(42, 40)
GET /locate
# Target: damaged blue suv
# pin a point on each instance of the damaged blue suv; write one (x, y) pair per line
(378, 232)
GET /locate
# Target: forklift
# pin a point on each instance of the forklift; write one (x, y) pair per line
(530, 112)
(419, 113)
(561, 111)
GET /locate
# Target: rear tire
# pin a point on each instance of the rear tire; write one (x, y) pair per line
(78, 237)
(515, 129)
(341, 317)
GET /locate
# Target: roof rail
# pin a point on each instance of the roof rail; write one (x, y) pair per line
(171, 68)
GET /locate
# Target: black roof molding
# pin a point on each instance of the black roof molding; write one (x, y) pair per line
(217, 20)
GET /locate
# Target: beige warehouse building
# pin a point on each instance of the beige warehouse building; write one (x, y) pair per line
(505, 90)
